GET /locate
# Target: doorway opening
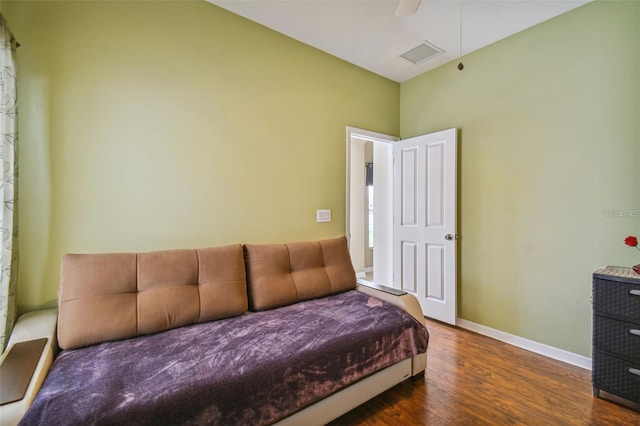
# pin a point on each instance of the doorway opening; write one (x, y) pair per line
(370, 204)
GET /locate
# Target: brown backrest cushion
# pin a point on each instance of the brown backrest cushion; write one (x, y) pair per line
(119, 295)
(282, 274)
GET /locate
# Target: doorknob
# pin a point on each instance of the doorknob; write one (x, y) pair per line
(450, 237)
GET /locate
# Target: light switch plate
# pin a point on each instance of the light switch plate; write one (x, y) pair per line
(323, 215)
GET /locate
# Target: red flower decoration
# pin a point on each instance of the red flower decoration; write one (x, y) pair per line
(632, 241)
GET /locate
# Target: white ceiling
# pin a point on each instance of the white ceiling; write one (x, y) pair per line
(368, 33)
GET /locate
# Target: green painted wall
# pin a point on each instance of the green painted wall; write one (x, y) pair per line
(549, 167)
(155, 125)
(152, 125)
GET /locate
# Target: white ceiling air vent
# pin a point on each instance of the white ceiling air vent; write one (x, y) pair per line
(422, 52)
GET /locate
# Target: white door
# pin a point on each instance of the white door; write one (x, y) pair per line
(424, 230)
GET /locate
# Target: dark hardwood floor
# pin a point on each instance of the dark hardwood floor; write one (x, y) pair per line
(474, 380)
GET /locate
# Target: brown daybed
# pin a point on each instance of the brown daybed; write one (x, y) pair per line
(253, 334)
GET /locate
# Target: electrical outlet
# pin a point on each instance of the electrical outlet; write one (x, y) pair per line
(323, 215)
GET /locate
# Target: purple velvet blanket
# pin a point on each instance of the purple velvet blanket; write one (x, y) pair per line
(254, 369)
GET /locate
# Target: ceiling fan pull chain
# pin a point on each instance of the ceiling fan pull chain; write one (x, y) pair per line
(460, 65)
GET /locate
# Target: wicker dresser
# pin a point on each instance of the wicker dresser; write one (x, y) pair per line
(616, 332)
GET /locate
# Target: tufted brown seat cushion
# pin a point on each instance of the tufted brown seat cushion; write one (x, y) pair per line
(119, 295)
(283, 274)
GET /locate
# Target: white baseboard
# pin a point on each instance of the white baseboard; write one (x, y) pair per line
(530, 345)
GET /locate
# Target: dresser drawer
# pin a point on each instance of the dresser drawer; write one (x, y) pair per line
(616, 298)
(618, 337)
(616, 376)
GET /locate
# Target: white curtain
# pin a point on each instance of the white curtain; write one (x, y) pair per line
(8, 181)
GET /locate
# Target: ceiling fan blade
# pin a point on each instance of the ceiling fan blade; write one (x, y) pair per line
(407, 7)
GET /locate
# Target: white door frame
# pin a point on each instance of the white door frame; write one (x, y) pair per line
(351, 133)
